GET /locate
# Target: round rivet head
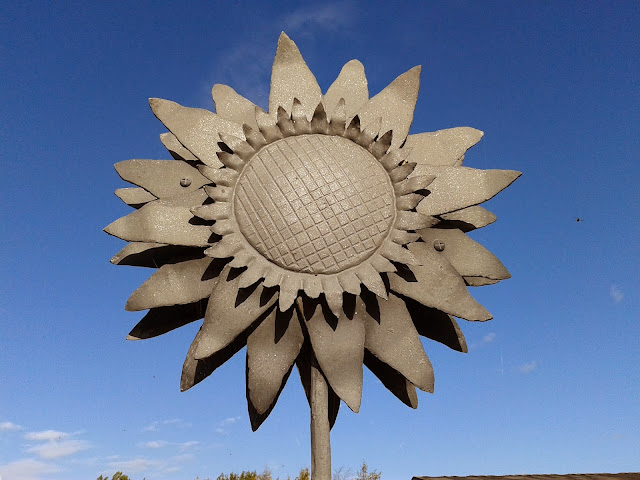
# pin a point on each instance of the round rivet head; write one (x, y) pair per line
(185, 182)
(438, 245)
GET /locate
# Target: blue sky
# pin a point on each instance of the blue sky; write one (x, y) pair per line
(551, 385)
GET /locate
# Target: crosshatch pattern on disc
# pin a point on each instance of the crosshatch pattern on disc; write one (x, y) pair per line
(314, 203)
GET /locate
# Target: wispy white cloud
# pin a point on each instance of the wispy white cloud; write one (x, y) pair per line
(9, 427)
(221, 428)
(27, 469)
(308, 19)
(154, 444)
(184, 446)
(156, 425)
(246, 66)
(489, 337)
(528, 367)
(46, 435)
(616, 293)
(136, 465)
(152, 466)
(229, 421)
(57, 449)
(54, 444)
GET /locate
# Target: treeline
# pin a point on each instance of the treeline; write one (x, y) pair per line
(341, 474)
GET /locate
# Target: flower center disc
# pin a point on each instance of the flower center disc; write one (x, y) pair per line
(314, 203)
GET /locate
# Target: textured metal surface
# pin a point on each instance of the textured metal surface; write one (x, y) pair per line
(468, 219)
(351, 85)
(438, 285)
(234, 107)
(293, 233)
(338, 344)
(459, 187)
(291, 78)
(230, 312)
(195, 128)
(394, 105)
(159, 223)
(468, 257)
(272, 350)
(392, 338)
(162, 178)
(314, 203)
(444, 147)
(176, 284)
(136, 197)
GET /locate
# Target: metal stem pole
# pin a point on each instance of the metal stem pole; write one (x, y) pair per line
(320, 429)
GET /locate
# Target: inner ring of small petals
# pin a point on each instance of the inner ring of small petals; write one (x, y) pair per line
(314, 203)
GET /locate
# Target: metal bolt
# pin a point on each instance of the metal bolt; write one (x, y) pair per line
(185, 182)
(438, 245)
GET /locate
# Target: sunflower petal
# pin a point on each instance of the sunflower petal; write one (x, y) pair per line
(402, 388)
(339, 349)
(226, 247)
(303, 362)
(469, 258)
(253, 273)
(444, 147)
(176, 284)
(469, 218)
(413, 221)
(164, 319)
(436, 325)
(333, 294)
(398, 174)
(175, 148)
(163, 178)
(219, 176)
(232, 106)
(393, 339)
(289, 288)
(369, 274)
(396, 253)
(408, 202)
(272, 350)
(479, 281)
(351, 85)
(349, 282)
(459, 187)
(437, 284)
(319, 122)
(154, 255)
(134, 197)
(195, 370)
(195, 128)
(413, 184)
(291, 78)
(229, 314)
(158, 223)
(395, 104)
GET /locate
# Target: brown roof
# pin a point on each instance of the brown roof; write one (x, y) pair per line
(572, 476)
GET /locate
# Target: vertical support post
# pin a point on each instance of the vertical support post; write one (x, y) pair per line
(320, 428)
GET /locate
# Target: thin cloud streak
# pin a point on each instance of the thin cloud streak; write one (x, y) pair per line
(10, 427)
(46, 435)
(331, 16)
(27, 469)
(58, 449)
(616, 293)
(528, 367)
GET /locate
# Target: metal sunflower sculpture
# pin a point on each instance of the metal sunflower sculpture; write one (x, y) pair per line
(318, 234)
